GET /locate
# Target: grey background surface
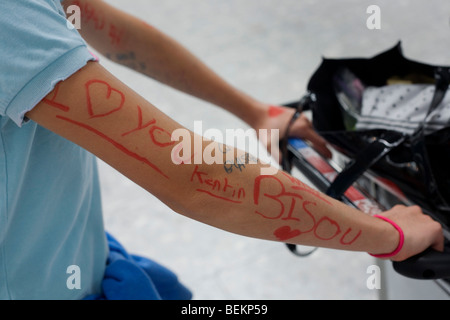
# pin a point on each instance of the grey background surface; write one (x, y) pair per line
(269, 49)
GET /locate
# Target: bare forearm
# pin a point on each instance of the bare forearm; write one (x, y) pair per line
(135, 44)
(170, 63)
(280, 207)
(134, 137)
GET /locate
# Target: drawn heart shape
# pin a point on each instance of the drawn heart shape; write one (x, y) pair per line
(106, 99)
(286, 233)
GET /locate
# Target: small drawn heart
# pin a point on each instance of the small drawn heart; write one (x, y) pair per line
(286, 233)
(106, 99)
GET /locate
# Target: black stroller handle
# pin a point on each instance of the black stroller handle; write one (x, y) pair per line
(428, 265)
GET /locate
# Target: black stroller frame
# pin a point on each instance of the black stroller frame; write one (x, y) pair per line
(353, 177)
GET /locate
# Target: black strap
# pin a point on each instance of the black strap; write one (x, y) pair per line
(376, 150)
(294, 249)
(442, 76)
(302, 105)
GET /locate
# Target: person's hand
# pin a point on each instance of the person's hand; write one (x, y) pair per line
(278, 118)
(420, 231)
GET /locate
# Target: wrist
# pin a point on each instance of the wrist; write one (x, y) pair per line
(392, 240)
(256, 114)
(267, 116)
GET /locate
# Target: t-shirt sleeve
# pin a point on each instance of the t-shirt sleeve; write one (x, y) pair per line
(38, 49)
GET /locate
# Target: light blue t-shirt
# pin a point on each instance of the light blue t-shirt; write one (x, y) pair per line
(50, 206)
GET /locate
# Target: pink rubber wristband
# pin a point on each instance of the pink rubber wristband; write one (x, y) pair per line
(401, 241)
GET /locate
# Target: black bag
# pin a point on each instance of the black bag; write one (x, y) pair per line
(418, 163)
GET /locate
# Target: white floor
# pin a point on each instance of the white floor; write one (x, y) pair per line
(269, 49)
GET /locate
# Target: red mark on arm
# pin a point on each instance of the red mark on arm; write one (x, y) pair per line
(298, 185)
(116, 144)
(88, 14)
(115, 34)
(102, 101)
(286, 233)
(218, 197)
(158, 135)
(198, 174)
(161, 137)
(219, 189)
(275, 111)
(52, 101)
(277, 200)
(325, 229)
(328, 225)
(346, 243)
(271, 193)
(109, 101)
(140, 123)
